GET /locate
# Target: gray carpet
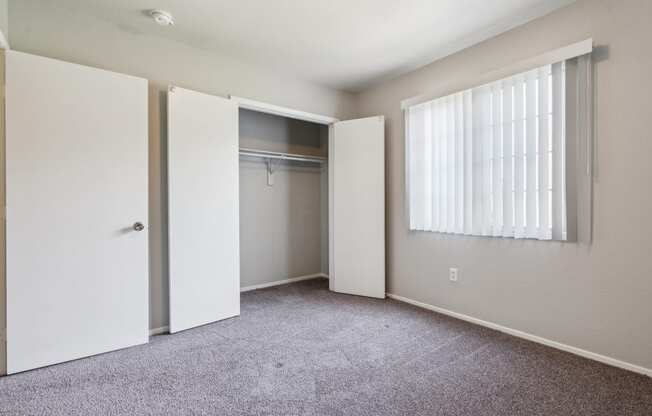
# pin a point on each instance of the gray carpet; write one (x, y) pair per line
(302, 350)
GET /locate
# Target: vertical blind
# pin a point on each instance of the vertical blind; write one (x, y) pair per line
(490, 160)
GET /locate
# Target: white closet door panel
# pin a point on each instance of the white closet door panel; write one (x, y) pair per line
(77, 271)
(204, 248)
(357, 161)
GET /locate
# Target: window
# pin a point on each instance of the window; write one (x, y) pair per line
(492, 160)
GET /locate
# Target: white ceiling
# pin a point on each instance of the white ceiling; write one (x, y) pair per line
(344, 44)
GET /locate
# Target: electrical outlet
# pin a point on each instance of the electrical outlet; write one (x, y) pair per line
(452, 274)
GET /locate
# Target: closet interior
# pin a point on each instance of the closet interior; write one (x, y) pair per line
(283, 198)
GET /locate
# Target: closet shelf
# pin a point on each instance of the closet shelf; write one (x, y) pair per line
(270, 157)
(265, 154)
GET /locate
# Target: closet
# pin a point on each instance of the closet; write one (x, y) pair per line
(283, 199)
(260, 193)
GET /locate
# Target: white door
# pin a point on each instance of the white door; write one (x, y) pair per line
(203, 230)
(357, 207)
(77, 270)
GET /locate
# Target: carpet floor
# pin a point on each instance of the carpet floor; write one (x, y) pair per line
(302, 350)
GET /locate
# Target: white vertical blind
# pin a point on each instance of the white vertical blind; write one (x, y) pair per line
(558, 193)
(506, 124)
(467, 227)
(531, 133)
(490, 160)
(584, 136)
(519, 156)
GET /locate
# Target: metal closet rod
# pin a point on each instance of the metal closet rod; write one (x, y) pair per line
(278, 155)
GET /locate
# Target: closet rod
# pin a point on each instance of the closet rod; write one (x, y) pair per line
(278, 155)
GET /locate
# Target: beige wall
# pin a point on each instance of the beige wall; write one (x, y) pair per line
(4, 18)
(597, 297)
(46, 29)
(280, 225)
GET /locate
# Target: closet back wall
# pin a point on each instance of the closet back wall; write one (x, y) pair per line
(281, 225)
(48, 29)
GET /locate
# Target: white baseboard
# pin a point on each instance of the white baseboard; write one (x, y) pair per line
(283, 282)
(158, 331)
(520, 334)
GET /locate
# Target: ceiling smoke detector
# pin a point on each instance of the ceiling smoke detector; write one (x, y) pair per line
(162, 17)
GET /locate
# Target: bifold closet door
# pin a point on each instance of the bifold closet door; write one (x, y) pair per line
(357, 207)
(77, 245)
(203, 231)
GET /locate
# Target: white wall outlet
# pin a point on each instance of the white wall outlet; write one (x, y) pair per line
(452, 274)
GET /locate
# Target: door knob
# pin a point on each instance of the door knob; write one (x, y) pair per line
(138, 226)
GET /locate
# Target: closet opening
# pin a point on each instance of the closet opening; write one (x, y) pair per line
(283, 204)
(261, 195)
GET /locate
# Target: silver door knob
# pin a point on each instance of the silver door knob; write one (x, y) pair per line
(138, 226)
